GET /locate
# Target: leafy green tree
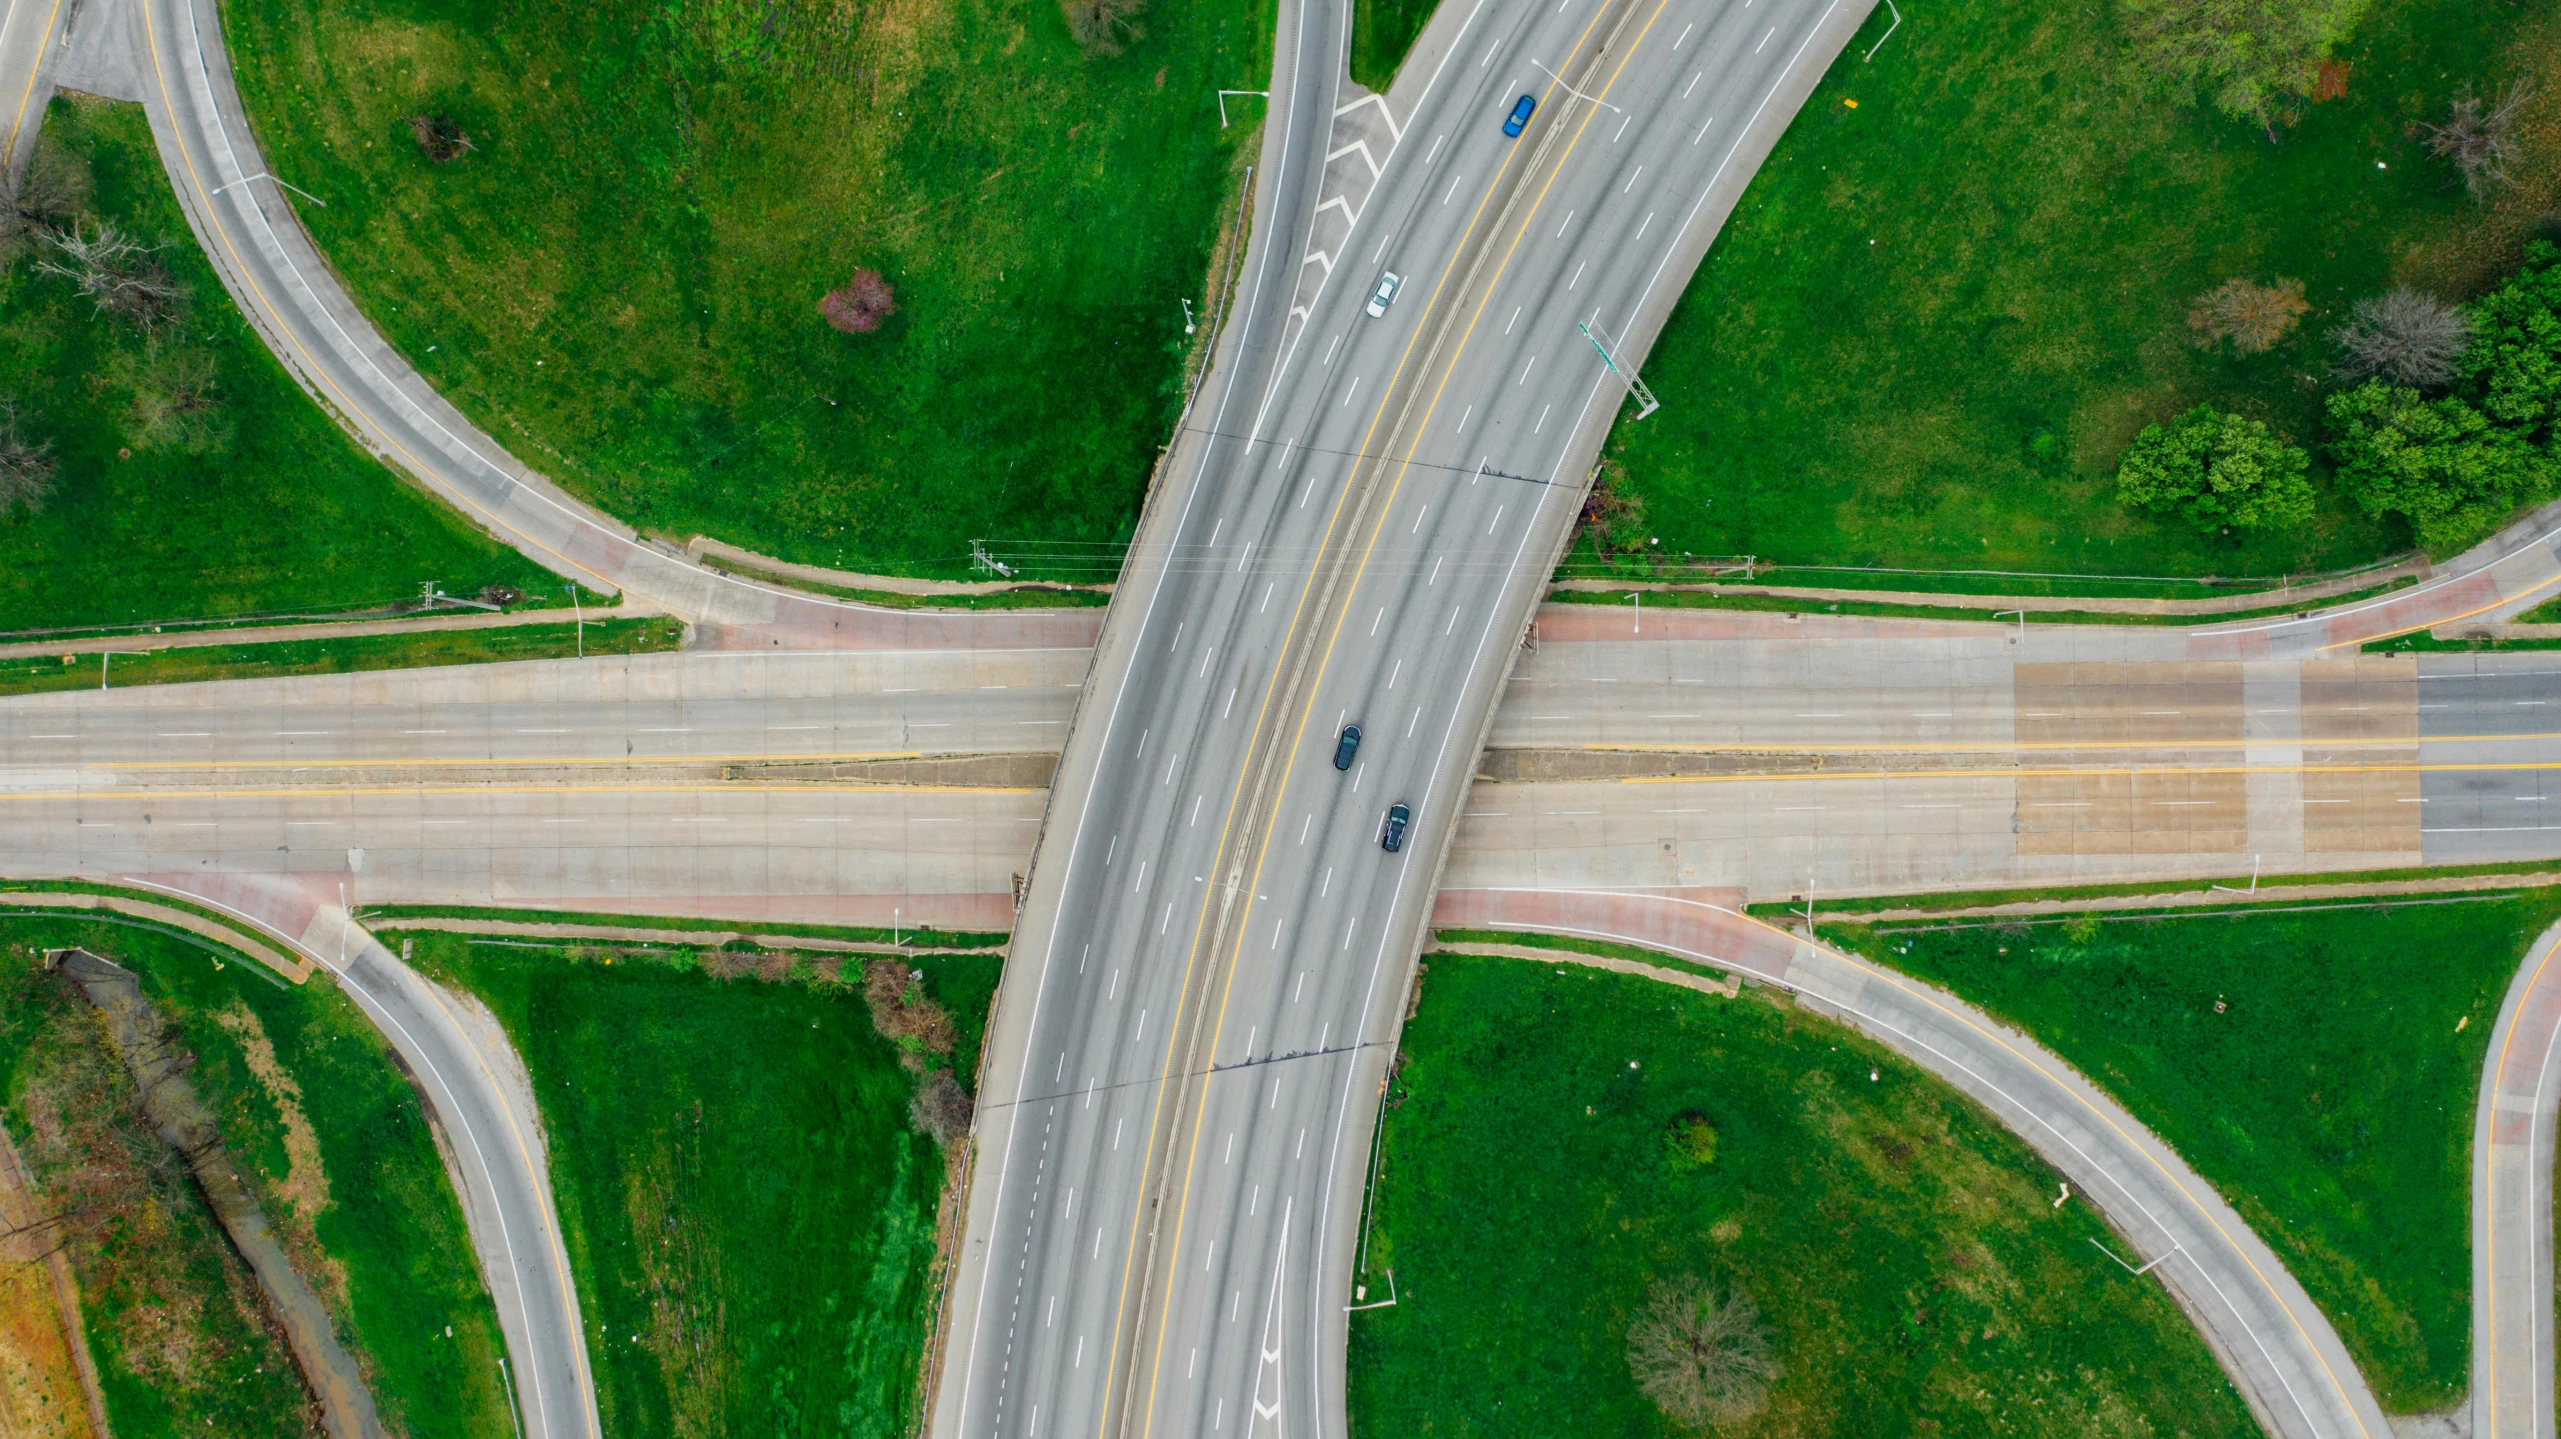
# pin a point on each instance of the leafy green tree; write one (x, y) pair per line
(2514, 364)
(2442, 463)
(2250, 59)
(2216, 469)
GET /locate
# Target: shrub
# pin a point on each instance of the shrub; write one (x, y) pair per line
(859, 308)
(1702, 1357)
(2215, 469)
(2406, 336)
(1689, 1144)
(177, 401)
(2252, 316)
(2253, 60)
(941, 1107)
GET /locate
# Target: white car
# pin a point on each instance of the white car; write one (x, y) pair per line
(1385, 294)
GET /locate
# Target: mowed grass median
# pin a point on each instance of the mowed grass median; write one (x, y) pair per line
(2318, 1068)
(748, 1208)
(1959, 288)
(1904, 1251)
(251, 503)
(618, 270)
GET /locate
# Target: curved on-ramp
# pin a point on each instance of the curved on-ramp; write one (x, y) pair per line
(2278, 1348)
(476, 1092)
(2512, 1150)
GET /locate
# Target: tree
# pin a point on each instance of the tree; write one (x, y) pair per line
(861, 305)
(177, 399)
(27, 469)
(2405, 336)
(440, 137)
(54, 188)
(1689, 1144)
(2482, 144)
(118, 273)
(2215, 469)
(1702, 1357)
(1104, 27)
(2514, 367)
(2254, 317)
(2250, 59)
(2441, 463)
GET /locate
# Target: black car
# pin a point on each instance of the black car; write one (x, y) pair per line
(1347, 745)
(1398, 816)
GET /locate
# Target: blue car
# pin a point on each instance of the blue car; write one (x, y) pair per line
(1513, 122)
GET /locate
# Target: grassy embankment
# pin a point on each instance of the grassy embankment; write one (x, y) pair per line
(274, 509)
(1937, 317)
(1916, 1276)
(1786, 604)
(1382, 32)
(38, 674)
(620, 276)
(2306, 1066)
(315, 1112)
(748, 1211)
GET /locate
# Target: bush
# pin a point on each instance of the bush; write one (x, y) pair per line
(2459, 465)
(859, 308)
(1702, 1357)
(2215, 469)
(118, 273)
(2405, 336)
(941, 1107)
(440, 137)
(1689, 1144)
(2253, 60)
(2252, 316)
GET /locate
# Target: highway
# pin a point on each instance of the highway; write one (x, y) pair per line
(1171, 1135)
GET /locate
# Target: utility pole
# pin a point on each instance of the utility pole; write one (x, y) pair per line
(1633, 383)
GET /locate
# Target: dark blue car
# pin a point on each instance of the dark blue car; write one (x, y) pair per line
(1521, 108)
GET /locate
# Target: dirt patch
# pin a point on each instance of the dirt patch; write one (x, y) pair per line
(42, 1393)
(304, 1189)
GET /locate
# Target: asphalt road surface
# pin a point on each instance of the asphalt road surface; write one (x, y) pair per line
(1355, 524)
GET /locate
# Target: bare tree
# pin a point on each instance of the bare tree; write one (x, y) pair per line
(119, 273)
(177, 399)
(1104, 27)
(54, 188)
(441, 137)
(941, 1107)
(1701, 1356)
(2254, 317)
(27, 469)
(2406, 336)
(861, 305)
(2481, 143)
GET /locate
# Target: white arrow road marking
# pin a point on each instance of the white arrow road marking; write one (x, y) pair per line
(1268, 1376)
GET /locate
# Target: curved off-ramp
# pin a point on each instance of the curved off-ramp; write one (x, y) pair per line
(475, 1090)
(171, 53)
(2512, 1150)
(2274, 1343)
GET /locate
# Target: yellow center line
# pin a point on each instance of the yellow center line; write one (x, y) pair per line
(399, 790)
(2490, 1269)
(2447, 620)
(1834, 776)
(18, 121)
(1342, 614)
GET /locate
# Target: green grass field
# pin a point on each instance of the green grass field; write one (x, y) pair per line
(347, 1174)
(620, 278)
(1382, 32)
(1917, 1278)
(282, 513)
(1937, 317)
(2330, 1100)
(748, 1212)
(38, 674)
